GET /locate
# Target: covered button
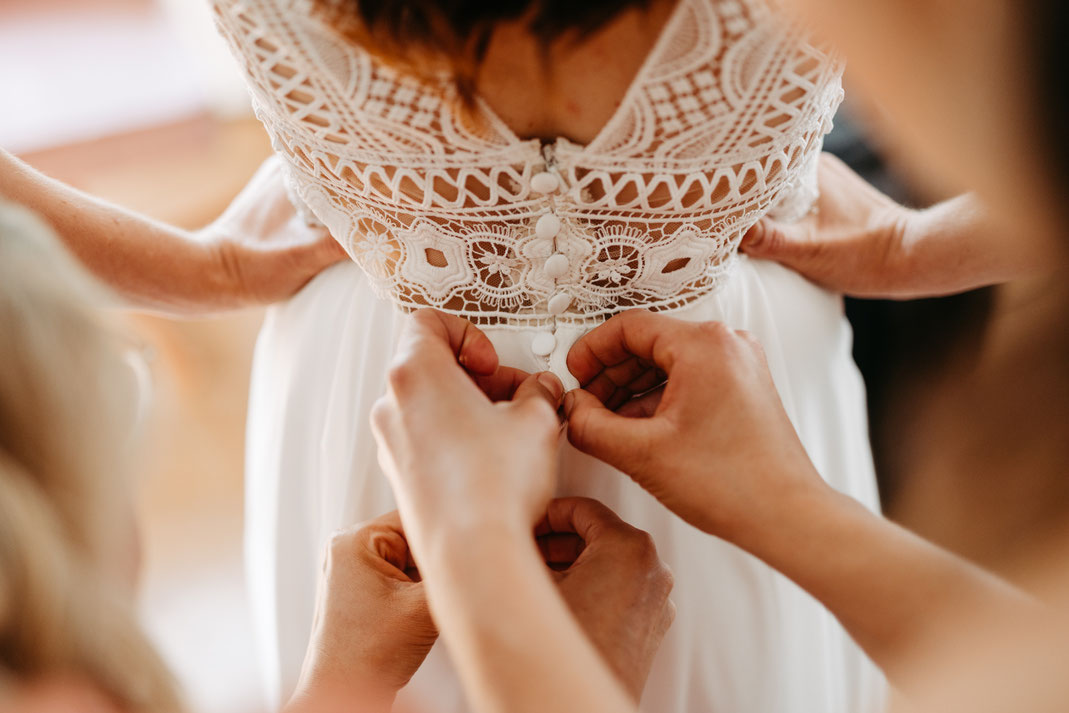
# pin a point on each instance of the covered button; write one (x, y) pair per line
(547, 227)
(558, 304)
(543, 344)
(545, 182)
(556, 266)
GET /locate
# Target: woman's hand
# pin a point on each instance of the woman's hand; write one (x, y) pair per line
(713, 444)
(861, 243)
(854, 242)
(260, 248)
(472, 478)
(251, 276)
(373, 627)
(459, 463)
(614, 583)
(258, 252)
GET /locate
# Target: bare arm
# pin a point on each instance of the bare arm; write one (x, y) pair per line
(863, 244)
(158, 266)
(715, 445)
(517, 646)
(891, 590)
(472, 478)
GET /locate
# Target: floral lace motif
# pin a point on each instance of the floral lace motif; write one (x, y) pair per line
(722, 125)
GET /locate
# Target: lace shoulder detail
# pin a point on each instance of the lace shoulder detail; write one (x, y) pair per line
(723, 123)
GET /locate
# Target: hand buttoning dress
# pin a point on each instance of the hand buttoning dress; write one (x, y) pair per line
(538, 243)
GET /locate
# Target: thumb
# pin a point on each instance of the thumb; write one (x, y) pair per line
(769, 240)
(619, 441)
(544, 387)
(316, 256)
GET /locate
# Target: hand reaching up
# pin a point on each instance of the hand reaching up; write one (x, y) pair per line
(613, 581)
(373, 627)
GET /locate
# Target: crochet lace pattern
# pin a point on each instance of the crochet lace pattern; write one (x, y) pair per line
(446, 207)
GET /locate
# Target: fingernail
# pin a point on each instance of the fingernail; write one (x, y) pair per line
(552, 384)
(569, 403)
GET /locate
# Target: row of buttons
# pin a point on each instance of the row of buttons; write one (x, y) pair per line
(556, 266)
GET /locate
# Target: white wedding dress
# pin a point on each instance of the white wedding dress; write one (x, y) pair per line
(538, 243)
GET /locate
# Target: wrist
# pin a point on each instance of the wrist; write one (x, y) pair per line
(904, 229)
(344, 694)
(468, 541)
(779, 521)
(223, 270)
(459, 531)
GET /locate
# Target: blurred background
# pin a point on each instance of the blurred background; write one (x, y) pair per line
(137, 101)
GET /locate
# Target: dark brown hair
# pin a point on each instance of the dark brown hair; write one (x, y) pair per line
(456, 33)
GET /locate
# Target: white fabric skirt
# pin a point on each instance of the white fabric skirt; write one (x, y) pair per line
(745, 640)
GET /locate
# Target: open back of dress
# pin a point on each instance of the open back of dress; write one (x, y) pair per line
(447, 208)
(538, 243)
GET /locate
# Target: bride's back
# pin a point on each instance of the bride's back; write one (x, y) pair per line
(566, 85)
(536, 199)
(528, 177)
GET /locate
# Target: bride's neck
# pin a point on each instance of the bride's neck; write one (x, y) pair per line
(573, 88)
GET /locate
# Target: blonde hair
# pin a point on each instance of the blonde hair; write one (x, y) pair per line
(67, 398)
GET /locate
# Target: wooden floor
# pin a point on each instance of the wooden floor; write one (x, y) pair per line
(191, 467)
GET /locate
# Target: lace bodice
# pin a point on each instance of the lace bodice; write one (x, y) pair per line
(722, 124)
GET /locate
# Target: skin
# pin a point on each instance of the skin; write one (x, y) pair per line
(163, 268)
(861, 243)
(462, 509)
(968, 125)
(891, 44)
(609, 574)
(963, 125)
(715, 446)
(374, 629)
(731, 465)
(574, 88)
(160, 267)
(55, 695)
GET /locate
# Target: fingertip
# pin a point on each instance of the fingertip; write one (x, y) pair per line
(581, 409)
(581, 362)
(477, 353)
(582, 397)
(754, 239)
(553, 385)
(570, 401)
(334, 249)
(316, 256)
(543, 387)
(469, 346)
(585, 517)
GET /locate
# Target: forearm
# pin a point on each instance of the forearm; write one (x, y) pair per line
(888, 587)
(515, 643)
(354, 694)
(152, 265)
(953, 247)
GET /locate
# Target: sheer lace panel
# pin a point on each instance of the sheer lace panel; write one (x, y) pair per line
(440, 208)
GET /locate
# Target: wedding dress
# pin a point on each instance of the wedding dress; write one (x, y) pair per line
(538, 243)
